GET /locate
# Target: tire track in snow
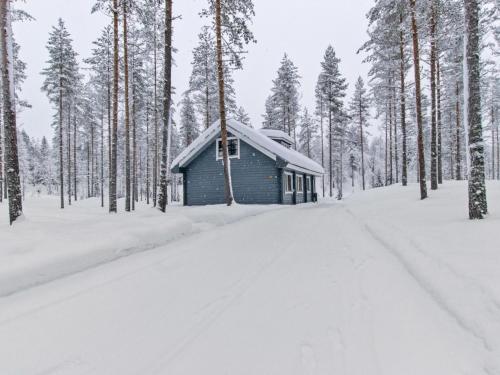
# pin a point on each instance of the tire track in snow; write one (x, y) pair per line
(237, 292)
(425, 285)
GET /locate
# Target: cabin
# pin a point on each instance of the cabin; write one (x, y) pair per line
(265, 169)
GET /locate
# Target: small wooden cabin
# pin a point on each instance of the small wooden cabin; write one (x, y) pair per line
(264, 168)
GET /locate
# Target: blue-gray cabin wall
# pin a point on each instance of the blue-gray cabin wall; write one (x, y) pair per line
(300, 197)
(255, 178)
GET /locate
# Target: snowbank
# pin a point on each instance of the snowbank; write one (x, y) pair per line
(50, 243)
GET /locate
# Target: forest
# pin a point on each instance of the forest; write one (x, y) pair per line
(249, 187)
(427, 112)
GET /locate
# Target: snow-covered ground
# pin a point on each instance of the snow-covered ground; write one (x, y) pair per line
(381, 283)
(50, 242)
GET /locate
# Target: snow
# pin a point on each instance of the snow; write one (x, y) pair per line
(277, 134)
(51, 243)
(381, 283)
(255, 138)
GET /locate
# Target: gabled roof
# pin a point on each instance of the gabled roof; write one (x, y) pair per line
(286, 158)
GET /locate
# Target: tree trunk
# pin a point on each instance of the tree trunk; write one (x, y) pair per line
(362, 142)
(386, 151)
(477, 189)
(420, 136)
(108, 84)
(127, 110)
(134, 144)
(222, 110)
(322, 143)
(396, 157)
(434, 180)
(155, 115)
(147, 155)
(75, 186)
(207, 93)
(102, 159)
(497, 141)
(404, 170)
(391, 167)
(492, 143)
(1, 159)
(458, 156)
(114, 142)
(439, 123)
(11, 154)
(89, 164)
(330, 147)
(68, 138)
(167, 96)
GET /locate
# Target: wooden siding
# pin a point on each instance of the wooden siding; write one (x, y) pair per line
(255, 178)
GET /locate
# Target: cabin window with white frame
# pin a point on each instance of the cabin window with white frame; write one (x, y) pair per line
(233, 148)
(300, 184)
(308, 184)
(288, 183)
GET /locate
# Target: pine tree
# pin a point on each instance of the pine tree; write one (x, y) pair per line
(420, 139)
(285, 94)
(307, 134)
(234, 15)
(60, 76)
(9, 112)
(320, 112)
(167, 102)
(477, 189)
(433, 57)
(127, 106)
(189, 125)
(333, 89)
(360, 112)
(203, 80)
(101, 66)
(242, 117)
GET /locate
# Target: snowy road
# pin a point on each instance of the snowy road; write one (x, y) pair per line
(306, 290)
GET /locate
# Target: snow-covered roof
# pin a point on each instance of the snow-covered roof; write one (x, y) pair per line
(291, 158)
(277, 134)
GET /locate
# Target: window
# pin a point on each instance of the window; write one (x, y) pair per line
(308, 184)
(233, 148)
(288, 183)
(300, 184)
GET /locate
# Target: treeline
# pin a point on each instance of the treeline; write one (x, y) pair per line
(429, 108)
(433, 91)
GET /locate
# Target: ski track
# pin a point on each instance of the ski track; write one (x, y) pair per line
(344, 340)
(433, 291)
(85, 262)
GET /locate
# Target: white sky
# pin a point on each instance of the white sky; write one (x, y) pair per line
(303, 29)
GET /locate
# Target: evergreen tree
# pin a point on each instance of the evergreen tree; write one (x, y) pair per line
(167, 103)
(59, 84)
(242, 116)
(285, 94)
(333, 89)
(9, 113)
(203, 80)
(189, 125)
(477, 189)
(360, 112)
(234, 15)
(307, 134)
(418, 92)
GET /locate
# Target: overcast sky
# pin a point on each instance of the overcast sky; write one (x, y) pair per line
(302, 29)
